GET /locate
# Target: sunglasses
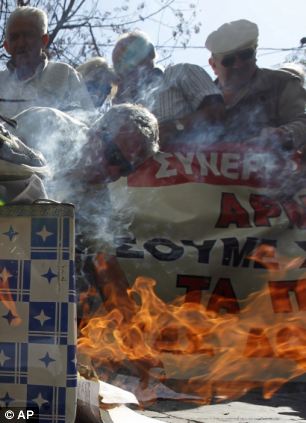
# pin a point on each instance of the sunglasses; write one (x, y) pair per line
(244, 55)
(114, 157)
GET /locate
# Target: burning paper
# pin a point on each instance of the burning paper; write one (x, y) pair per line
(215, 243)
(201, 352)
(110, 400)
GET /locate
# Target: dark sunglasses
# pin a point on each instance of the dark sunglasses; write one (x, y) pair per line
(244, 55)
(114, 157)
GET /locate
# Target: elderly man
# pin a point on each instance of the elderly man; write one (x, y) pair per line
(264, 105)
(30, 78)
(100, 81)
(83, 160)
(116, 144)
(183, 97)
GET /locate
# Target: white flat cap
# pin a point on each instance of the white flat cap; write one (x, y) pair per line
(232, 36)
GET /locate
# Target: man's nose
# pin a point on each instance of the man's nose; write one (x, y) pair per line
(21, 40)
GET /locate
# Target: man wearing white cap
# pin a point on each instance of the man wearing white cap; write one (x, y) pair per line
(262, 103)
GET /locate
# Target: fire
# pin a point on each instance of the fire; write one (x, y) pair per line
(6, 297)
(202, 352)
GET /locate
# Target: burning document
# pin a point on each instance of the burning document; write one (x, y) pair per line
(110, 401)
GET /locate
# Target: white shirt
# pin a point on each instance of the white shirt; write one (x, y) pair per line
(54, 84)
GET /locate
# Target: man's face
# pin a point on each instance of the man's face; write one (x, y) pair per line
(112, 157)
(132, 58)
(235, 69)
(98, 89)
(24, 42)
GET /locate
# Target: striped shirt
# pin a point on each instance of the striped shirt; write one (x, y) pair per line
(181, 90)
(170, 95)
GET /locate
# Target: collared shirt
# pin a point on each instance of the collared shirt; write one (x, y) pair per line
(172, 94)
(181, 91)
(53, 84)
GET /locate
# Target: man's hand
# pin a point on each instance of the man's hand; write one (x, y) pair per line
(170, 130)
(281, 137)
(210, 114)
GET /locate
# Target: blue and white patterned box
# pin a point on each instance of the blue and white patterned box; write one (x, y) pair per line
(38, 310)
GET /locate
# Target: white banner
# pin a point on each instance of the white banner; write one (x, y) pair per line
(215, 225)
(196, 217)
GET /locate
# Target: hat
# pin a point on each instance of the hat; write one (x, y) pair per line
(232, 36)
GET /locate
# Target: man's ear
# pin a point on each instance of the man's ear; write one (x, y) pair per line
(45, 40)
(212, 63)
(6, 46)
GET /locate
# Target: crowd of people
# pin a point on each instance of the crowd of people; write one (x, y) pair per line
(244, 102)
(107, 120)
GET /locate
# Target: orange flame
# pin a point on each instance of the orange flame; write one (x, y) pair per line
(6, 297)
(202, 352)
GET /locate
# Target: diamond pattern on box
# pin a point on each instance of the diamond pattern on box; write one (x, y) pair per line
(38, 310)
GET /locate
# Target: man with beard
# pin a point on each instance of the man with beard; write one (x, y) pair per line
(30, 78)
(264, 105)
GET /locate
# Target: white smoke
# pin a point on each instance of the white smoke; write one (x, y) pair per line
(61, 139)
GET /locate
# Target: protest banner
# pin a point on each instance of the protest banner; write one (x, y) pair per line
(218, 225)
